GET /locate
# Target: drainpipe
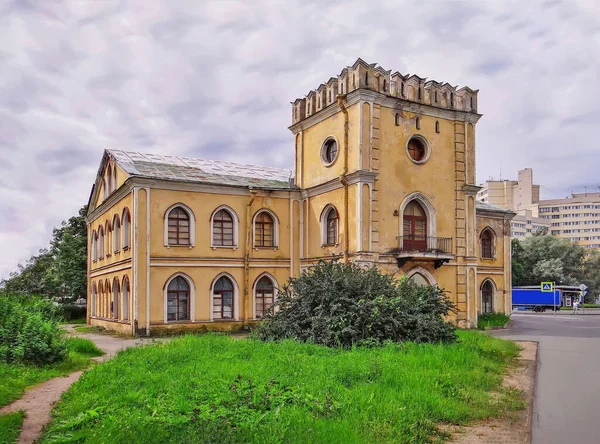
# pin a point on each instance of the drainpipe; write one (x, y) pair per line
(340, 100)
(247, 256)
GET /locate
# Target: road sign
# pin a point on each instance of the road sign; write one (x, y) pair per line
(547, 287)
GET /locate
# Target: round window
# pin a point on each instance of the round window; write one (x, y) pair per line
(417, 149)
(329, 151)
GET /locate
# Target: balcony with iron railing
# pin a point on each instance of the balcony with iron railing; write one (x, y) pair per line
(411, 247)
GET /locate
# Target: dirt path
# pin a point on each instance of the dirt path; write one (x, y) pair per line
(509, 430)
(38, 401)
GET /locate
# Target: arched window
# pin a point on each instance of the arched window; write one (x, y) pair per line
(126, 221)
(107, 300)
(397, 119)
(367, 78)
(419, 279)
(114, 179)
(224, 228)
(487, 297)
(115, 300)
(116, 227)
(414, 230)
(384, 85)
(178, 222)
(437, 126)
(487, 244)
(402, 89)
(223, 298)
(178, 300)
(100, 239)
(93, 244)
(125, 298)
(93, 305)
(108, 232)
(451, 100)
(418, 123)
(104, 190)
(264, 296)
(435, 96)
(329, 226)
(100, 311)
(265, 229)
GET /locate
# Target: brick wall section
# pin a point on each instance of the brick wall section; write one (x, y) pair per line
(460, 235)
(376, 185)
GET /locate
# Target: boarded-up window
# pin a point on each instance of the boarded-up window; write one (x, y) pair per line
(179, 227)
(223, 229)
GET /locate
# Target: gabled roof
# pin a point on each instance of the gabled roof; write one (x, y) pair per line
(491, 208)
(466, 88)
(360, 61)
(417, 78)
(332, 80)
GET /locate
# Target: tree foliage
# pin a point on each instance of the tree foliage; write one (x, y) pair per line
(543, 257)
(57, 271)
(341, 305)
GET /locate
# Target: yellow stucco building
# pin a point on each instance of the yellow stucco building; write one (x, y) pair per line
(384, 175)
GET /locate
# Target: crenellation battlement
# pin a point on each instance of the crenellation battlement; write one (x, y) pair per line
(363, 75)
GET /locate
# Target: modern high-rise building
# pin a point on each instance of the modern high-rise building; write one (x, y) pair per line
(576, 218)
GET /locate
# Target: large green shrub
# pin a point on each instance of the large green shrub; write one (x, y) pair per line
(29, 332)
(341, 305)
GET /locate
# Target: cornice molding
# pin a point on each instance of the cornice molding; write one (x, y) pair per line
(471, 190)
(356, 177)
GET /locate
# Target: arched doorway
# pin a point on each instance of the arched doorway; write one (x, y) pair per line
(414, 227)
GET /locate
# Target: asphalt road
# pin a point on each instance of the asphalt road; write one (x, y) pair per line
(566, 407)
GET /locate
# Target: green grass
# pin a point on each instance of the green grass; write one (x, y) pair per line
(213, 388)
(89, 329)
(15, 378)
(10, 427)
(492, 320)
(590, 306)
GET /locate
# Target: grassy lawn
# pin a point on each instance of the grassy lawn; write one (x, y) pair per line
(14, 378)
(492, 320)
(10, 426)
(88, 329)
(213, 388)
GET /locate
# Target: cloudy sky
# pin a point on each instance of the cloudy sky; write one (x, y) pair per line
(214, 80)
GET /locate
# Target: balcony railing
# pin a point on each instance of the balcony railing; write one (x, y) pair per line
(424, 244)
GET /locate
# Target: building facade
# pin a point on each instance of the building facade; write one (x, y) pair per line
(384, 176)
(576, 218)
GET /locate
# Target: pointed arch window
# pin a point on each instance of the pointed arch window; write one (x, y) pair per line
(264, 296)
(109, 178)
(178, 299)
(223, 298)
(108, 233)
(126, 228)
(125, 302)
(100, 311)
(100, 243)
(93, 244)
(265, 229)
(93, 306)
(487, 244)
(224, 226)
(116, 228)
(115, 300)
(107, 299)
(487, 297)
(329, 226)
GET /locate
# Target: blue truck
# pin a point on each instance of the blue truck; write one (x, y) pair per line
(535, 299)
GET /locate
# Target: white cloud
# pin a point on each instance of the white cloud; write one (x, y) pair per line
(214, 79)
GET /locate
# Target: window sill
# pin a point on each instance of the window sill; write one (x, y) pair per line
(117, 253)
(182, 245)
(101, 259)
(274, 248)
(125, 248)
(108, 255)
(231, 247)
(329, 245)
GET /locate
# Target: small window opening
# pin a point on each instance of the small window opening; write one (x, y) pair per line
(402, 88)
(452, 99)
(418, 123)
(353, 81)
(437, 126)
(319, 102)
(435, 96)
(420, 94)
(397, 119)
(471, 102)
(367, 78)
(384, 85)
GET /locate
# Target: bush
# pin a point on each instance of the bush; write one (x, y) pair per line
(342, 305)
(71, 312)
(29, 333)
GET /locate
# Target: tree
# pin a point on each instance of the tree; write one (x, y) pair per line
(590, 275)
(543, 257)
(58, 271)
